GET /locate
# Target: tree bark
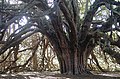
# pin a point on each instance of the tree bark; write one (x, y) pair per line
(73, 61)
(35, 63)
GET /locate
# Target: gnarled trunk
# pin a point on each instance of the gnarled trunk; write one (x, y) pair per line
(73, 61)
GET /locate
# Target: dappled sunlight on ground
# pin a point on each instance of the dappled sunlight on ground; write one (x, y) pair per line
(57, 75)
(113, 74)
(31, 75)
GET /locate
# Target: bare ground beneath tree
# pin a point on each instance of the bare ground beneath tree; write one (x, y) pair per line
(56, 75)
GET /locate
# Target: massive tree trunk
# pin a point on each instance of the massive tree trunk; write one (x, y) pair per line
(73, 61)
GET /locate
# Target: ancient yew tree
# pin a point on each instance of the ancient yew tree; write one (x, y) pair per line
(72, 30)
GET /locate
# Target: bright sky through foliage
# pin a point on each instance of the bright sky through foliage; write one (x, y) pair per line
(13, 1)
(23, 21)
